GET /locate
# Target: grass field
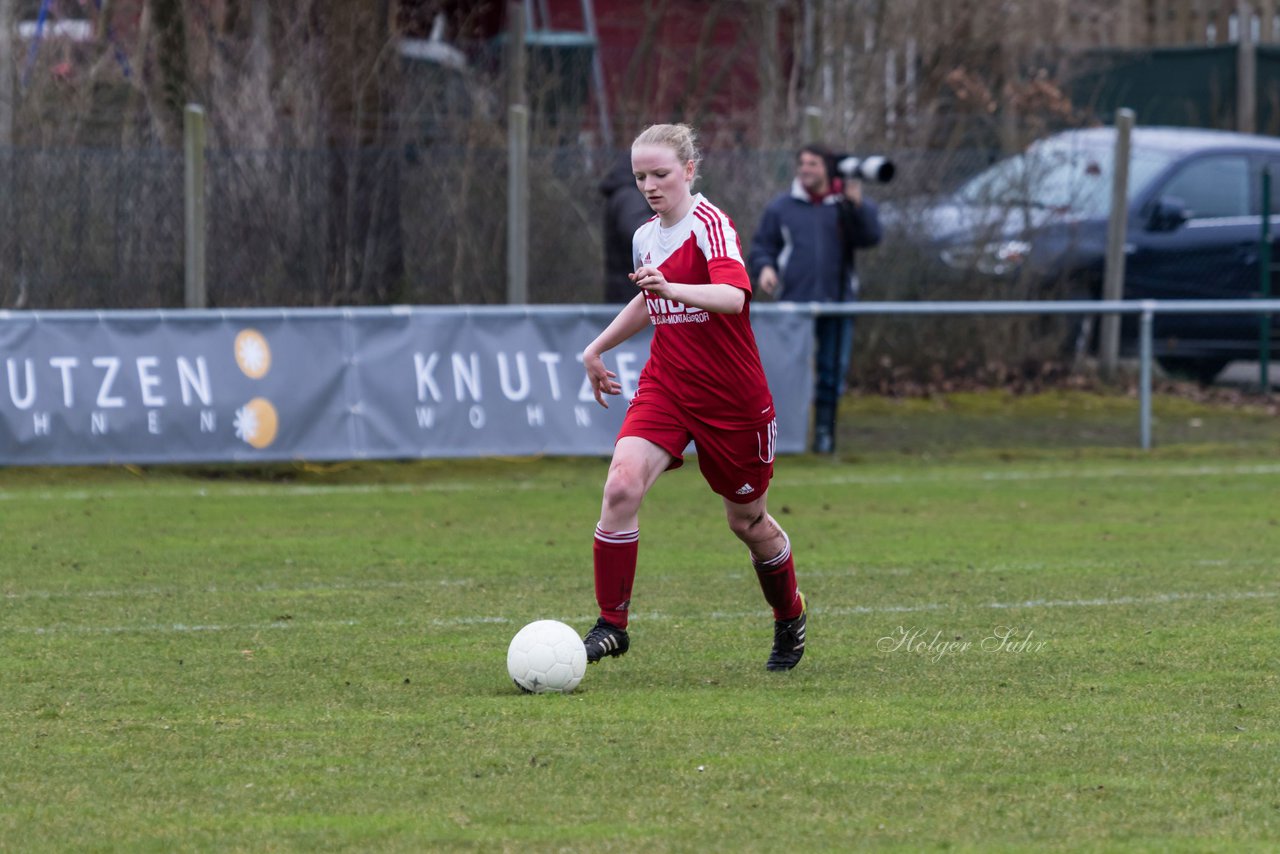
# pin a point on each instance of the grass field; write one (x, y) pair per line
(313, 659)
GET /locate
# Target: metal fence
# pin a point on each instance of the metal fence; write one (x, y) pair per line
(1145, 310)
(103, 229)
(92, 228)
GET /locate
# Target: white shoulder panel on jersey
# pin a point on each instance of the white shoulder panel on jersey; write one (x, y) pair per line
(716, 235)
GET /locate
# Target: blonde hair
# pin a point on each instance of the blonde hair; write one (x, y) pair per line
(679, 138)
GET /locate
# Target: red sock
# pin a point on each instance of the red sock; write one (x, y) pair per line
(777, 577)
(615, 564)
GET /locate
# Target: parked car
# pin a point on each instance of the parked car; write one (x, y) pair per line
(1040, 220)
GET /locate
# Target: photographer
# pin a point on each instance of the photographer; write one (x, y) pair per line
(804, 251)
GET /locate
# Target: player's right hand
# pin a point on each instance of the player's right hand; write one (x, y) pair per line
(603, 381)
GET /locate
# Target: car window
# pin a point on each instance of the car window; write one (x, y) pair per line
(1058, 176)
(1212, 187)
(1274, 167)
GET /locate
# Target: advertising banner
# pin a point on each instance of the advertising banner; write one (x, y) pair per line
(332, 384)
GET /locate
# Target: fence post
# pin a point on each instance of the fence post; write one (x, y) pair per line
(1144, 374)
(517, 160)
(1113, 272)
(1246, 71)
(812, 125)
(517, 204)
(193, 139)
(8, 94)
(1264, 276)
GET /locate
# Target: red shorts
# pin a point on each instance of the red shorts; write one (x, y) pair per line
(737, 464)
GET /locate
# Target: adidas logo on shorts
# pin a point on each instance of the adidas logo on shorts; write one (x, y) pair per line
(745, 489)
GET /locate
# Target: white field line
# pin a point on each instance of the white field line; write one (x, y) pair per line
(267, 490)
(289, 589)
(278, 490)
(1018, 475)
(426, 584)
(453, 622)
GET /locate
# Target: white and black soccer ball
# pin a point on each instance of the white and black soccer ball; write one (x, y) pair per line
(546, 656)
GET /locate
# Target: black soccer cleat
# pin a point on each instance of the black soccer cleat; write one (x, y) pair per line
(605, 639)
(788, 640)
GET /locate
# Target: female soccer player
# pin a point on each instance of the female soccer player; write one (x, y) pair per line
(703, 381)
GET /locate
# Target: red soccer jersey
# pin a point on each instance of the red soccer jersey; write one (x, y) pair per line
(707, 362)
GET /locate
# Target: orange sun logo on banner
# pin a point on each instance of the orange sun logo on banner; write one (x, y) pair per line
(257, 423)
(253, 354)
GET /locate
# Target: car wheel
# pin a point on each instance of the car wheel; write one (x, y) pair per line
(1202, 370)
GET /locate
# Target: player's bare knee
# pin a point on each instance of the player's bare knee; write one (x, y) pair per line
(749, 527)
(623, 489)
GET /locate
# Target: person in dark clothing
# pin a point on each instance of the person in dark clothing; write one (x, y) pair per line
(804, 251)
(625, 210)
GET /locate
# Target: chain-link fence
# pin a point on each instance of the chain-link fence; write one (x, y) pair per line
(104, 228)
(90, 229)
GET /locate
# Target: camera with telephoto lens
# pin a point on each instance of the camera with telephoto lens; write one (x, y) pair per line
(878, 169)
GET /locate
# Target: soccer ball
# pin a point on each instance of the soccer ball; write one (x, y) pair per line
(546, 655)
